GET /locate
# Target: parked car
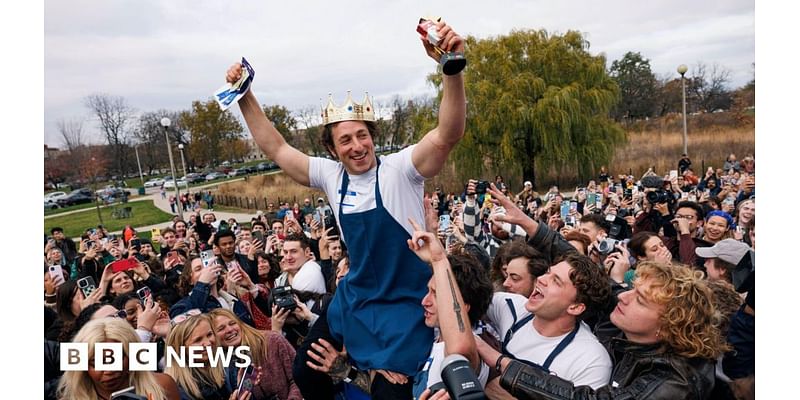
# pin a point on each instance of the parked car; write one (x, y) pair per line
(79, 196)
(170, 184)
(214, 176)
(50, 206)
(52, 197)
(155, 182)
(194, 177)
(239, 172)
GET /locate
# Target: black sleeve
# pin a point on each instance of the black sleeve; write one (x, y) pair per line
(549, 242)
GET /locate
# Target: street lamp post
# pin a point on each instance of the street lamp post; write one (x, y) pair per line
(94, 184)
(682, 70)
(138, 163)
(183, 161)
(165, 122)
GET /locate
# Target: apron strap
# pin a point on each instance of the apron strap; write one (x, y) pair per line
(561, 346)
(346, 184)
(514, 327)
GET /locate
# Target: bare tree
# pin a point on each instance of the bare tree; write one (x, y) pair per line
(708, 87)
(71, 133)
(114, 113)
(309, 118)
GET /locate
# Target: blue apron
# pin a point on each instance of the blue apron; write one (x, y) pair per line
(376, 311)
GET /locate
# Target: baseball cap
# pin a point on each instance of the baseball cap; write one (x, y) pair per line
(528, 183)
(729, 250)
(320, 199)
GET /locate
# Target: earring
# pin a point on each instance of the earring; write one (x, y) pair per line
(658, 332)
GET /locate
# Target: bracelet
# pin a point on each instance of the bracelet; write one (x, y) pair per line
(497, 363)
(49, 295)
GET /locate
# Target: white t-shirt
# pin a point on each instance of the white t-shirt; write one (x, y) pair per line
(583, 362)
(309, 278)
(436, 358)
(401, 186)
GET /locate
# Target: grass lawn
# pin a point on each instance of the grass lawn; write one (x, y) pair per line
(144, 213)
(70, 208)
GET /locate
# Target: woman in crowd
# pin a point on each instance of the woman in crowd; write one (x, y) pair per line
(268, 269)
(648, 246)
(201, 288)
(119, 283)
(269, 352)
(717, 226)
(94, 384)
(668, 349)
(199, 383)
(745, 212)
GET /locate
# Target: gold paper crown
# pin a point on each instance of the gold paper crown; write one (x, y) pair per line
(349, 111)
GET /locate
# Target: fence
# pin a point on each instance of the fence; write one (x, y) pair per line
(251, 203)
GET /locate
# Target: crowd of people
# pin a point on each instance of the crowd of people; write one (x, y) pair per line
(628, 287)
(622, 276)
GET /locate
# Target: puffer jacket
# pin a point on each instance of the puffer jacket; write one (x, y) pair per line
(640, 372)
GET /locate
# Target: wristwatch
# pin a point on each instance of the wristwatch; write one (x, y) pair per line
(351, 375)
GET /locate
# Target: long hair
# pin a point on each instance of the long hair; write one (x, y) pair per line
(79, 385)
(188, 378)
(251, 337)
(64, 296)
(690, 322)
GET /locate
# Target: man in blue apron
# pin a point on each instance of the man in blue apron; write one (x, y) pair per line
(546, 330)
(376, 312)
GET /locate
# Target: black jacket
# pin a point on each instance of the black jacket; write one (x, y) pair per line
(550, 243)
(640, 372)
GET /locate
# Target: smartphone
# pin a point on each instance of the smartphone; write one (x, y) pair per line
(591, 198)
(573, 205)
(173, 255)
(564, 210)
(143, 294)
(444, 222)
(289, 215)
(599, 201)
(140, 257)
(128, 394)
(673, 174)
(207, 257)
(246, 384)
(692, 197)
(124, 265)
(87, 285)
(57, 273)
(634, 191)
(135, 243)
(155, 234)
(258, 235)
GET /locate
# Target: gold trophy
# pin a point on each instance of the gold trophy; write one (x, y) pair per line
(452, 61)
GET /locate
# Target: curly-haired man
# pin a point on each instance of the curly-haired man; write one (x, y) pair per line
(546, 329)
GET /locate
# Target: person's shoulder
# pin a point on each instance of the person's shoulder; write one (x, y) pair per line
(168, 384)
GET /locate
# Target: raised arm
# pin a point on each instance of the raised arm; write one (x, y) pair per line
(454, 324)
(269, 140)
(431, 152)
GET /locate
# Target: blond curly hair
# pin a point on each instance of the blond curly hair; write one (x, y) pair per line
(689, 321)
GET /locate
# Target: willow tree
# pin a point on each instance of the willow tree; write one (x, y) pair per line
(536, 101)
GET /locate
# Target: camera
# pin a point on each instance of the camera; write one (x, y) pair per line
(658, 196)
(459, 379)
(283, 297)
(481, 186)
(608, 246)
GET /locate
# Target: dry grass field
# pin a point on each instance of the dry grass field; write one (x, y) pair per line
(274, 188)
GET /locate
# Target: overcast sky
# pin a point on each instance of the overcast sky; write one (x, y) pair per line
(162, 54)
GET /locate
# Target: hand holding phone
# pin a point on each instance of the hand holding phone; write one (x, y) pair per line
(124, 265)
(57, 273)
(87, 285)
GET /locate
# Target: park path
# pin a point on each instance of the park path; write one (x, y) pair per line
(163, 204)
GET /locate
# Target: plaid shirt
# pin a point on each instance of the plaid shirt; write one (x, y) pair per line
(474, 230)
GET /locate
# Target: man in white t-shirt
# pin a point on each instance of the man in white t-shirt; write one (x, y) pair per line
(300, 271)
(546, 328)
(376, 312)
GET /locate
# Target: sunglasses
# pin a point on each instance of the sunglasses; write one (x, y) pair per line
(183, 317)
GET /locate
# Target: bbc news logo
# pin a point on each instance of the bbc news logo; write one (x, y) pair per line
(143, 356)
